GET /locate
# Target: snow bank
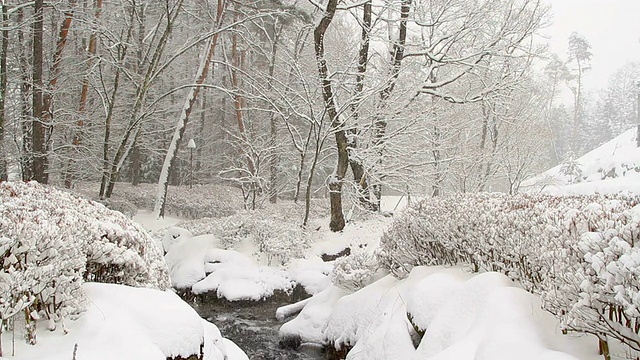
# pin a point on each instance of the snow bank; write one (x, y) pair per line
(198, 263)
(464, 317)
(312, 274)
(124, 323)
(234, 276)
(308, 325)
(185, 256)
(577, 252)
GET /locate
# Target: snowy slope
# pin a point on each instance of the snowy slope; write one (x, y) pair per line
(611, 168)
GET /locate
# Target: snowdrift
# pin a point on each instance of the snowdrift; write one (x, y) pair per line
(127, 323)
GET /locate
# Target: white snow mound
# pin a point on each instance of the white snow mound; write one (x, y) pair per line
(128, 323)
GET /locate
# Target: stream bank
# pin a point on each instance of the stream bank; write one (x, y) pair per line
(253, 326)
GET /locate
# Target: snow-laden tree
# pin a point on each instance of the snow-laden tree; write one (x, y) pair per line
(455, 69)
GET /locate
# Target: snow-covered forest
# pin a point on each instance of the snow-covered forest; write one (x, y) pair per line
(381, 176)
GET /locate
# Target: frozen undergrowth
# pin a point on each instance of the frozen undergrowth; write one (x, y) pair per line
(273, 235)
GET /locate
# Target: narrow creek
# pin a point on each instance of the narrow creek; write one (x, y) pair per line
(253, 327)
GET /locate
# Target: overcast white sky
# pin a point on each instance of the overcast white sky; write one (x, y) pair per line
(612, 27)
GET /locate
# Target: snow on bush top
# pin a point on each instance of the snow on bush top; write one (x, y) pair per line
(50, 241)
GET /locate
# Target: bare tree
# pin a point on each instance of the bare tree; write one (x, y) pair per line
(4, 47)
(39, 127)
(84, 95)
(337, 222)
(154, 69)
(201, 75)
(579, 57)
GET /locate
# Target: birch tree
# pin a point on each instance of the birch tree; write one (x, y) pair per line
(201, 75)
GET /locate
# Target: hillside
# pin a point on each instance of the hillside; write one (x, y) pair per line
(614, 167)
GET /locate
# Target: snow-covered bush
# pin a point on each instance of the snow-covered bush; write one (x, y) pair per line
(50, 241)
(279, 241)
(199, 202)
(232, 230)
(579, 253)
(354, 271)
(276, 237)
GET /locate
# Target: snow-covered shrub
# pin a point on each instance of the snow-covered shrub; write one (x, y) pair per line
(354, 271)
(580, 253)
(124, 206)
(277, 237)
(232, 230)
(50, 241)
(198, 202)
(280, 241)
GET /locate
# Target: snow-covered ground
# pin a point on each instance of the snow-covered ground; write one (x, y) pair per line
(202, 264)
(611, 168)
(127, 323)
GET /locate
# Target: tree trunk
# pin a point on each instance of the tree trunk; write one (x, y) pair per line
(107, 137)
(273, 124)
(357, 168)
(238, 101)
(3, 95)
(203, 120)
(110, 175)
(577, 111)
(54, 73)
(380, 125)
(38, 124)
(26, 158)
(201, 75)
(136, 161)
(337, 126)
(303, 155)
(136, 153)
(84, 93)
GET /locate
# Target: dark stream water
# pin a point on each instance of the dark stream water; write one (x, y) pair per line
(253, 327)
